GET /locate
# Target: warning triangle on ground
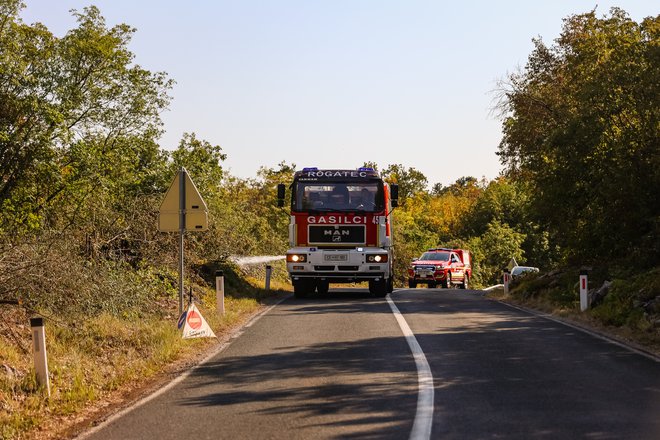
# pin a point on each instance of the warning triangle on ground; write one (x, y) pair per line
(195, 325)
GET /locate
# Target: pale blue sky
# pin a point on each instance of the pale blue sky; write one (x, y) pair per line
(335, 83)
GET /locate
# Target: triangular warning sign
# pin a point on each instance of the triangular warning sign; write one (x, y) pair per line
(196, 218)
(195, 325)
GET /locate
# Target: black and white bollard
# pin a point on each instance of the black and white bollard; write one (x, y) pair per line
(269, 270)
(39, 353)
(584, 288)
(506, 280)
(220, 292)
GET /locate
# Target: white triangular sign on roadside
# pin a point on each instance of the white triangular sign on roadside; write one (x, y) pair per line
(513, 263)
(195, 325)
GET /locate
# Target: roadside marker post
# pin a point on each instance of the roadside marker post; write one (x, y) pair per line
(506, 280)
(220, 292)
(269, 270)
(39, 353)
(584, 287)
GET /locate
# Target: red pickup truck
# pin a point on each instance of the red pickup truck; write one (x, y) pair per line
(444, 266)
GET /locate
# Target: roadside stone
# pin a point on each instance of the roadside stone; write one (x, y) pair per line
(652, 306)
(596, 296)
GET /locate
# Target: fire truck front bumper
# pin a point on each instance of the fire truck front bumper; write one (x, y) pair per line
(339, 265)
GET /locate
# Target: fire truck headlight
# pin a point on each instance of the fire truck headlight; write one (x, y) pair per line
(296, 258)
(377, 258)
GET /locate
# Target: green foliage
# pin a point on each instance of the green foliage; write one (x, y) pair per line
(69, 107)
(494, 248)
(581, 129)
(410, 180)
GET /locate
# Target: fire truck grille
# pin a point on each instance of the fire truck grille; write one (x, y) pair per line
(337, 234)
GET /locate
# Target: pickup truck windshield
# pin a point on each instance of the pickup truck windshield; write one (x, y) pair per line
(435, 256)
(338, 197)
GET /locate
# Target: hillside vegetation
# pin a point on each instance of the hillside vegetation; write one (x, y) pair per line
(82, 176)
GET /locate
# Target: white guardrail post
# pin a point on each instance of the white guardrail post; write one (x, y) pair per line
(269, 270)
(584, 288)
(220, 292)
(39, 353)
(506, 279)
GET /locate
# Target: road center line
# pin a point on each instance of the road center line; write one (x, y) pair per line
(421, 429)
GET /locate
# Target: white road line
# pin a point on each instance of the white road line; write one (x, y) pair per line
(421, 429)
(219, 349)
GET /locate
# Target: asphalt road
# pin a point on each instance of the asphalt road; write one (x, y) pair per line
(339, 367)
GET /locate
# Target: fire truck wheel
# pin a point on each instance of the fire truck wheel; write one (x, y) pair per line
(302, 288)
(412, 284)
(390, 285)
(322, 287)
(378, 288)
(466, 282)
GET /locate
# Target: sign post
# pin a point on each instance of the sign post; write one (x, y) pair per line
(182, 209)
(507, 280)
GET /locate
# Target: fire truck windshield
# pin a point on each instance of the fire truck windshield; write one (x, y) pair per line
(338, 196)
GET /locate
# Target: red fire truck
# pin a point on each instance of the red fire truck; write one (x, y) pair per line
(340, 230)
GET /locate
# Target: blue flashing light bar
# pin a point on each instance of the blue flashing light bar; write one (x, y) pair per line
(310, 169)
(365, 169)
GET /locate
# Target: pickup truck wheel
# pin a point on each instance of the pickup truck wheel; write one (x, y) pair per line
(466, 281)
(378, 288)
(447, 283)
(412, 284)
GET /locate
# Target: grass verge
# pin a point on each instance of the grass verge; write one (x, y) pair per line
(98, 362)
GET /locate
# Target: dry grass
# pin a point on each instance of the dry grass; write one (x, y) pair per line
(110, 331)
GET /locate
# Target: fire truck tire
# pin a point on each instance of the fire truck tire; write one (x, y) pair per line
(447, 284)
(302, 288)
(466, 282)
(412, 284)
(378, 288)
(390, 285)
(322, 287)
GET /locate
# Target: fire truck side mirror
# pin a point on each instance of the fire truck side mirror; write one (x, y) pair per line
(281, 191)
(394, 192)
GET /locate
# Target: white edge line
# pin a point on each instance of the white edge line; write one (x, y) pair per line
(423, 422)
(583, 330)
(231, 337)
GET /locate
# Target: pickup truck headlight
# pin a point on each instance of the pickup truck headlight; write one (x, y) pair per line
(296, 258)
(378, 258)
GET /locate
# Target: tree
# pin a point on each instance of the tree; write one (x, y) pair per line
(410, 180)
(61, 97)
(581, 128)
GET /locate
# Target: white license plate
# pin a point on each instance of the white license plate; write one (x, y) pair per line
(335, 257)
